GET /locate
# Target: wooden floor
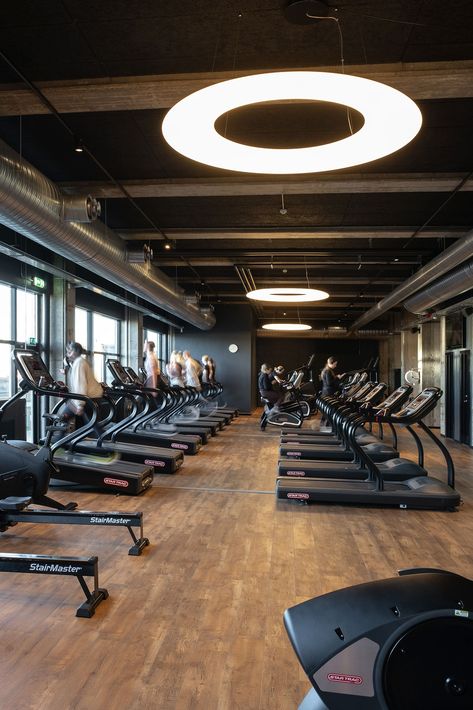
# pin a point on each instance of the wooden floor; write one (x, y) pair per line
(196, 621)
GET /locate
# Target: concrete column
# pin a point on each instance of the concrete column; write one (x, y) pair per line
(61, 323)
(430, 363)
(132, 339)
(409, 351)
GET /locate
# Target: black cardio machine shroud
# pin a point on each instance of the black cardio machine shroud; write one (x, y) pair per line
(404, 643)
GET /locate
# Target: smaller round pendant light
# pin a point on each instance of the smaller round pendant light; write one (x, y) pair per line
(287, 326)
(287, 295)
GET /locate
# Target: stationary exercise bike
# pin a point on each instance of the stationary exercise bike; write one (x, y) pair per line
(290, 412)
(404, 643)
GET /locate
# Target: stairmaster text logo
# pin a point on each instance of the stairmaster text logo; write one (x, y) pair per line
(293, 453)
(295, 473)
(179, 446)
(152, 462)
(298, 496)
(94, 520)
(115, 482)
(54, 568)
(345, 678)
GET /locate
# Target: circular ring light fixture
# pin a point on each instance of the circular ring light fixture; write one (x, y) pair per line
(287, 295)
(287, 326)
(391, 120)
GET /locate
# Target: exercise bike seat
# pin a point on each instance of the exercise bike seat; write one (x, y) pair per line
(14, 503)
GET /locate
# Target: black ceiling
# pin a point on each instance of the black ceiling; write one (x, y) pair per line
(358, 240)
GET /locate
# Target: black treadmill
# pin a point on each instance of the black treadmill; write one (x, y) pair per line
(423, 492)
(130, 430)
(105, 473)
(395, 469)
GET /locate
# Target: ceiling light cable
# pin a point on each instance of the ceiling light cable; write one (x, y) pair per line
(342, 57)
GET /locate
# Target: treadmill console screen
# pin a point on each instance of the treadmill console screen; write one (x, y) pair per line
(33, 368)
(133, 376)
(415, 405)
(119, 371)
(394, 396)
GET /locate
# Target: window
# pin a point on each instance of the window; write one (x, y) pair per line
(161, 342)
(100, 336)
(81, 333)
(5, 320)
(26, 316)
(20, 326)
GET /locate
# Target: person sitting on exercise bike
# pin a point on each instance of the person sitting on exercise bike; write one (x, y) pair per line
(265, 386)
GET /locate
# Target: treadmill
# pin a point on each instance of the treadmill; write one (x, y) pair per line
(126, 384)
(422, 492)
(125, 380)
(104, 473)
(390, 467)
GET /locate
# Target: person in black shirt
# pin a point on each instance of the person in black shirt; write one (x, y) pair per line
(330, 380)
(265, 385)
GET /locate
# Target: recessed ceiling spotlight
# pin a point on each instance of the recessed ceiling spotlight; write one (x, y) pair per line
(167, 246)
(287, 295)
(391, 119)
(287, 326)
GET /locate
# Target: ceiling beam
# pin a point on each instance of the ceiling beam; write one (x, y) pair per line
(419, 80)
(241, 261)
(333, 280)
(234, 187)
(206, 234)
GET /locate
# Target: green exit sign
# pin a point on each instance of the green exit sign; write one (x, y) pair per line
(38, 282)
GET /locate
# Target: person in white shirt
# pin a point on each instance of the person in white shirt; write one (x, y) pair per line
(193, 370)
(153, 373)
(80, 380)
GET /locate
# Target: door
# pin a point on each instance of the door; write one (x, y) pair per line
(458, 398)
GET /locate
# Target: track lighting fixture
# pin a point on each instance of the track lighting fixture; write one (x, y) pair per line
(78, 145)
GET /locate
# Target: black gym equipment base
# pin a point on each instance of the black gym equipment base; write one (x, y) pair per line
(404, 643)
(296, 451)
(160, 459)
(14, 510)
(189, 445)
(118, 478)
(393, 470)
(421, 492)
(78, 567)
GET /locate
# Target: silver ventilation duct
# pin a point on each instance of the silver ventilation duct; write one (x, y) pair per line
(32, 205)
(452, 284)
(447, 260)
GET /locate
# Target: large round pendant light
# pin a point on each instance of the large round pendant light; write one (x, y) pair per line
(287, 326)
(287, 295)
(391, 120)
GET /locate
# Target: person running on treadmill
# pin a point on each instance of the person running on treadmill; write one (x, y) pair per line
(174, 370)
(153, 373)
(81, 380)
(330, 380)
(205, 370)
(193, 370)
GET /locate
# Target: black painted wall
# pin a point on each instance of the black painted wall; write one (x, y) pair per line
(293, 352)
(235, 325)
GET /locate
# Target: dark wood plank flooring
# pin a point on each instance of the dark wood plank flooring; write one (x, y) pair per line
(196, 621)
